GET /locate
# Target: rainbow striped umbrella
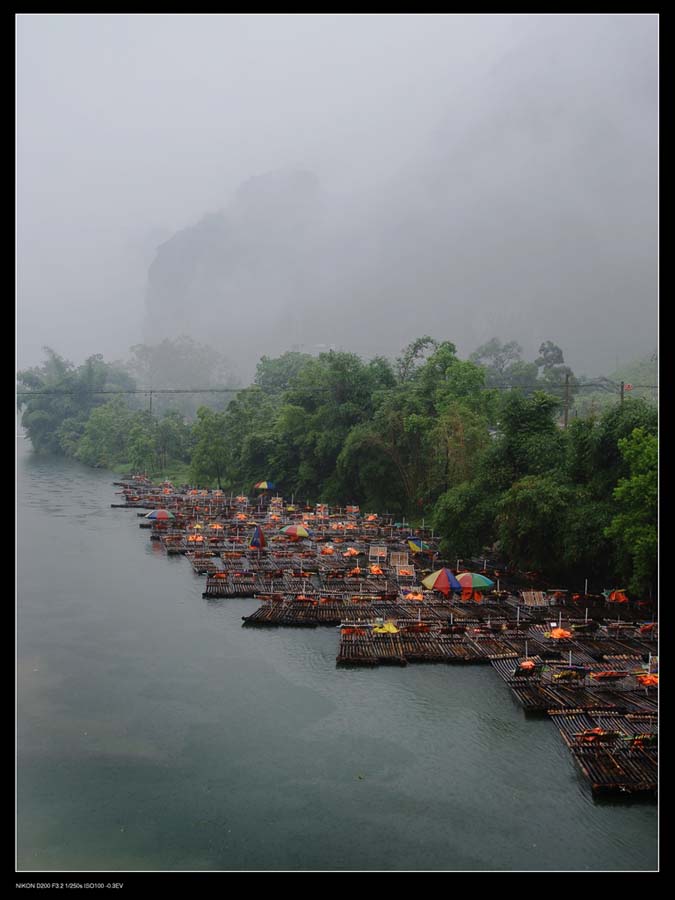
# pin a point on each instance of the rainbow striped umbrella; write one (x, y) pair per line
(264, 485)
(474, 580)
(160, 514)
(295, 531)
(443, 580)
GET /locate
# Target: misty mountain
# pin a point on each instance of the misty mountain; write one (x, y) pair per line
(234, 277)
(530, 214)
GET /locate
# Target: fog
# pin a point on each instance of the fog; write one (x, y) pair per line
(272, 182)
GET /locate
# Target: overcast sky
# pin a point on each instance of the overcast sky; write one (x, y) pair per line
(132, 127)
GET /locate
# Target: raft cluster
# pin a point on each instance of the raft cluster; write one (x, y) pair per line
(588, 662)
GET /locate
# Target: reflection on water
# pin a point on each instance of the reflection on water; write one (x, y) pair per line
(155, 733)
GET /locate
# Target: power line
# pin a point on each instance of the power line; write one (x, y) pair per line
(58, 393)
(497, 387)
(118, 391)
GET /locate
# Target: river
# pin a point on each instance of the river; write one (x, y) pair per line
(156, 734)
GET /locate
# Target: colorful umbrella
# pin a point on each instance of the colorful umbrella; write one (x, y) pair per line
(417, 545)
(264, 486)
(443, 580)
(160, 514)
(474, 580)
(295, 531)
(258, 540)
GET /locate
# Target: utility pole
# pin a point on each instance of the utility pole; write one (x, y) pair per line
(150, 402)
(622, 391)
(567, 399)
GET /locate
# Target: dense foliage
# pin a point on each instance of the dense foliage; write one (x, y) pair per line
(477, 447)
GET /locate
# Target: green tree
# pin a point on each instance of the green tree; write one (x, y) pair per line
(424, 432)
(529, 441)
(530, 517)
(57, 398)
(505, 367)
(249, 425)
(550, 356)
(210, 452)
(585, 552)
(104, 442)
(619, 422)
(329, 396)
(528, 445)
(464, 517)
(498, 360)
(368, 472)
(453, 446)
(413, 355)
(634, 525)
(391, 444)
(173, 439)
(141, 443)
(275, 375)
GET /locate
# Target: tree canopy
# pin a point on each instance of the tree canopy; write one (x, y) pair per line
(476, 446)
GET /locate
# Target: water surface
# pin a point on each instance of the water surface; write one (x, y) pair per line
(155, 733)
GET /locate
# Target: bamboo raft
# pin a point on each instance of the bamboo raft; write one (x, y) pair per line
(599, 647)
(299, 586)
(318, 610)
(204, 566)
(540, 692)
(348, 607)
(362, 646)
(231, 586)
(616, 752)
